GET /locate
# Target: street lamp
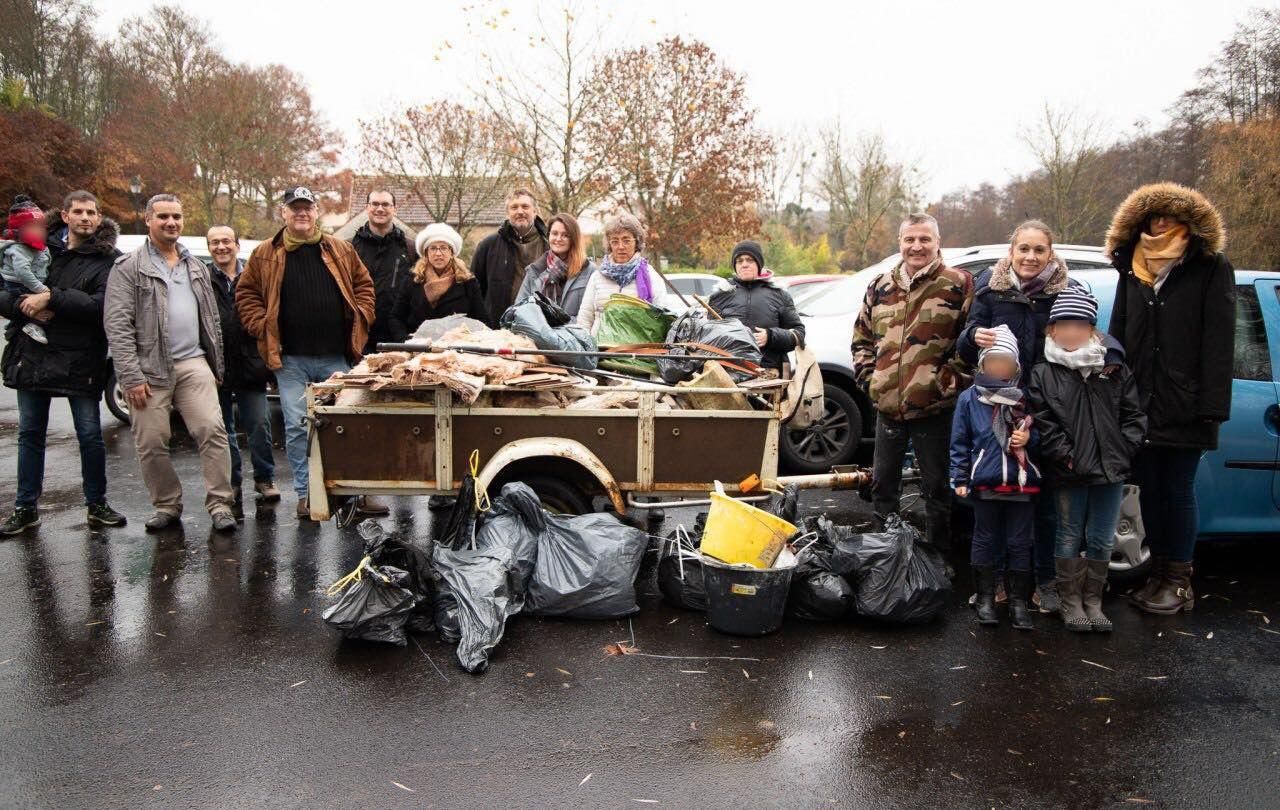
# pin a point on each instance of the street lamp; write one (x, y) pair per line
(135, 194)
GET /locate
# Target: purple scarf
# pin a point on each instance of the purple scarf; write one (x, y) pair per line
(636, 270)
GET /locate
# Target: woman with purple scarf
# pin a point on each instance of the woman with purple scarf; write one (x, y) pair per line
(624, 271)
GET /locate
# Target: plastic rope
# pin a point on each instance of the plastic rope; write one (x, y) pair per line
(482, 493)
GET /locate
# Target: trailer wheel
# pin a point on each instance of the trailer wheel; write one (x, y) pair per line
(559, 496)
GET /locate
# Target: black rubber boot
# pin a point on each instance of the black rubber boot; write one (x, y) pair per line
(1020, 585)
(984, 583)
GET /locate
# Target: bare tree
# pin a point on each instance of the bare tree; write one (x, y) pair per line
(784, 174)
(541, 98)
(1068, 149)
(454, 160)
(865, 191)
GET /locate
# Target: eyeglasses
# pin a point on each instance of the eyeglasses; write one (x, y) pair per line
(381, 205)
(439, 249)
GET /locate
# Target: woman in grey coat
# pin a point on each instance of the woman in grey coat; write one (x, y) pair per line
(562, 274)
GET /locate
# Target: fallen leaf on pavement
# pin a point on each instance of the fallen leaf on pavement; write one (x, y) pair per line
(1183, 633)
(746, 674)
(881, 647)
(957, 776)
(584, 780)
(962, 666)
(1103, 699)
(402, 787)
(1210, 635)
(883, 697)
(1156, 677)
(810, 674)
(1096, 664)
(693, 672)
(299, 683)
(673, 621)
(1015, 753)
(1136, 800)
(563, 671)
(957, 703)
(902, 735)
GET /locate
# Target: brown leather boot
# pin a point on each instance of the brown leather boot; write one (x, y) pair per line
(1070, 593)
(1149, 587)
(1174, 593)
(1095, 582)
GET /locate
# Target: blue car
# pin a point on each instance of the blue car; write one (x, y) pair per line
(1238, 485)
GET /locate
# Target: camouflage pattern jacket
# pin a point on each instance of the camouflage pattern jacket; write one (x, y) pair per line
(904, 341)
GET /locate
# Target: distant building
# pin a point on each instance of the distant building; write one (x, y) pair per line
(411, 214)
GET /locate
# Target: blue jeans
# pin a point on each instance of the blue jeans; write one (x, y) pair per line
(292, 378)
(33, 425)
(255, 420)
(1002, 527)
(1046, 533)
(1087, 520)
(1170, 514)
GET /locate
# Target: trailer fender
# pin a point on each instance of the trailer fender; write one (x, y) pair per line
(568, 449)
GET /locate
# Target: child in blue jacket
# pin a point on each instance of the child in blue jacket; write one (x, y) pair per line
(991, 466)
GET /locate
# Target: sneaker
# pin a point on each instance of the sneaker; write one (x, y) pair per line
(162, 520)
(35, 332)
(223, 521)
(23, 518)
(267, 491)
(101, 514)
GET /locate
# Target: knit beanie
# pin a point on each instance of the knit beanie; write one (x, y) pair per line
(748, 248)
(1074, 304)
(22, 213)
(438, 232)
(1005, 344)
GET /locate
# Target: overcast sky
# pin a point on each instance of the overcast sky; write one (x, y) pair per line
(948, 84)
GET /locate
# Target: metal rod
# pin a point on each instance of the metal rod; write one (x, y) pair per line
(508, 352)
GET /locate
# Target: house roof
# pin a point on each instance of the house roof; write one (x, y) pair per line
(412, 211)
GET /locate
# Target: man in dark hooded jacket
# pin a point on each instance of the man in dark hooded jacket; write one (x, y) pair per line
(388, 254)
(501, 258)
(73, 364)
(751, 296)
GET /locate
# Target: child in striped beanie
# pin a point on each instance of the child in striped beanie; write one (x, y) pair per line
(991, 466)
(1086, 409)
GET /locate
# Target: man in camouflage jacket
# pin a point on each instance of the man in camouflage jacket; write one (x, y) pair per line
(904, 355)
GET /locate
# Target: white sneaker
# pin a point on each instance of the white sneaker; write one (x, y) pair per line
(36, 333)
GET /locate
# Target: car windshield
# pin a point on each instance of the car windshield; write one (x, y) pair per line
(834, 298)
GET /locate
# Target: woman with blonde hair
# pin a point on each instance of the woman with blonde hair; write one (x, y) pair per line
(441, 285)
(562, 273)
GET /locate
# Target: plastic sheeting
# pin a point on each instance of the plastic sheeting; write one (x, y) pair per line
(531, 320)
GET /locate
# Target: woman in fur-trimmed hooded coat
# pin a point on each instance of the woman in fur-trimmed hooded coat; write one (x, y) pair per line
(1174, 314)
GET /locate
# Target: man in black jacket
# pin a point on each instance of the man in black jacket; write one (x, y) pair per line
(73, 364)
(388, 254)
(501, 258)
(244, 380)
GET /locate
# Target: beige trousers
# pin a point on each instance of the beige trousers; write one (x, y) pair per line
(195, 395)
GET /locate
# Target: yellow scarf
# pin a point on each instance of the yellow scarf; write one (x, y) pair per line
(1153, 254)
(292, 243)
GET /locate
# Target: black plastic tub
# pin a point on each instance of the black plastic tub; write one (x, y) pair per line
(745, 601)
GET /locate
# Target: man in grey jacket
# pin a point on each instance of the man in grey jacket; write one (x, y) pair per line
(161, 320)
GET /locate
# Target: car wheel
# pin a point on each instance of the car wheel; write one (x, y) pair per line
(1130, 557)
(557, 496)
(115, 398)
(828, 442)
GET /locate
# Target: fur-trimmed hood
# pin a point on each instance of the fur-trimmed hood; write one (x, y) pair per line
(1185, 204)
(103, 241)
(1003, 277)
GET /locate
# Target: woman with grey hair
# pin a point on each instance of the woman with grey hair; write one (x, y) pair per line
(624, 270)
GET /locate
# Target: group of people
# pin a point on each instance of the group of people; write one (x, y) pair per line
(1010, 397)
(1002, 387)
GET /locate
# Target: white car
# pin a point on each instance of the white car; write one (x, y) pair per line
(129, 242)
(828, 311)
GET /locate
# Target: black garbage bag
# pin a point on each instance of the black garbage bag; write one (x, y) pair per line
(898, 577)
(473, 601)
(586, 568)
(729, 334)
(383, 548)
(680, 572)
(460, 528)
(374, 606)
(820, 596)
(548, 326)
(785, 504)
(833, 549)
(515, 521)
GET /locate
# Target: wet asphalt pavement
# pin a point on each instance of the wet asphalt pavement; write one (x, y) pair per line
(193, 670)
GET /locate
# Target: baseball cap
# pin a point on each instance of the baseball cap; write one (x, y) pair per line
(299, 193)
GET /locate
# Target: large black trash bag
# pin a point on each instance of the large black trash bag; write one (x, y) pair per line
(785, 504)
(460, 528)
(831, 550)
(515, 521)
(820, 596)
(383, 548)
(473, 601)
(374, 607)
(728, 334)
(586, 568)
(817, 591)
(680, 572)
(898, 577)
(548, 326)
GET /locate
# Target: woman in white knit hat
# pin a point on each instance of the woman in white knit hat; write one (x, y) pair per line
(441, 284)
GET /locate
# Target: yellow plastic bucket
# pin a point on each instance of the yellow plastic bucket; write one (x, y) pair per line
(737, 532)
